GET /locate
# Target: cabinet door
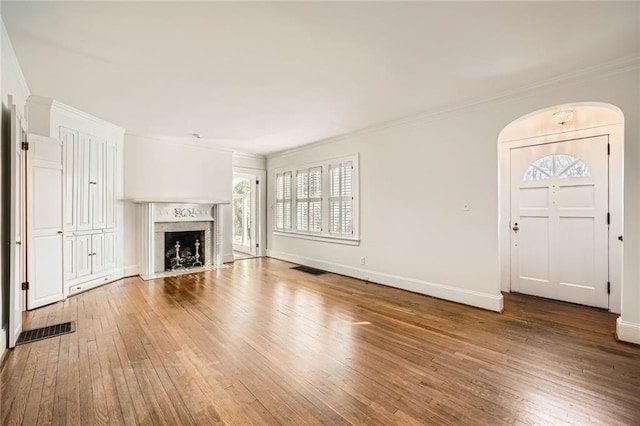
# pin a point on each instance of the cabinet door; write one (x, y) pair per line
(111, 170)
(69, 140)
(83, 181)
(97, 253)
(70, 258)
(83, 255)
(97, 181)
(110, 253)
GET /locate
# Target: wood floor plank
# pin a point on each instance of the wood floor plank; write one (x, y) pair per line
(260, 343)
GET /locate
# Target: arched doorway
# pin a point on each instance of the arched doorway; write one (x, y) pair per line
(561, 204)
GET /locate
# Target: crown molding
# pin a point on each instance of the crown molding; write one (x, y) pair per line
(627, 63)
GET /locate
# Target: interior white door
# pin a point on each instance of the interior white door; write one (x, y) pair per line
(559, 219)
(16, 268)
(44, 222)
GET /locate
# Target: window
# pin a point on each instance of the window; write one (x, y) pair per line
(309, 200)
(559, 165)
(340, 199)
(319, 201)
(283, 201)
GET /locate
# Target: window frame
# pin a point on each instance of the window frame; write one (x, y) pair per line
(352, 238)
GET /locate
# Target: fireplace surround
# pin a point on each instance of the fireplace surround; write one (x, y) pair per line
(159, 218)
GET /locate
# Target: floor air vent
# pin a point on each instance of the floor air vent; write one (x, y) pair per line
(309, 270)
(29, 336)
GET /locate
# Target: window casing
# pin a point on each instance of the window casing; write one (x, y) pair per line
(322, 203)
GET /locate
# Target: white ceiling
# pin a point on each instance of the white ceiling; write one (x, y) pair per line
(263, 77)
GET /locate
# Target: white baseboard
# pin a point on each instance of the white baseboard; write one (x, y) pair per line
(227, 258)
(442, 291)
(628, 331)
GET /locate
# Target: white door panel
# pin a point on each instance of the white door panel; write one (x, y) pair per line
(98, 151)
(83, 255)
(70, 145)
(45, 277)
(110, 187)
(70, 258)
(559, 203)
(82, 180)
(45, 199)
(110, 250)
(45, 221)
(97, 253)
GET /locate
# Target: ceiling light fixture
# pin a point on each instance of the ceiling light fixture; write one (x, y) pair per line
(563, 116)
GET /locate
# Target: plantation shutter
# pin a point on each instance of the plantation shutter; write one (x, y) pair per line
(309, 200)
(283, 201)
(340, 198)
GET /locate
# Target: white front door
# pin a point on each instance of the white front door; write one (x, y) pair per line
(559, 220)
(16, 268)
(44, 222)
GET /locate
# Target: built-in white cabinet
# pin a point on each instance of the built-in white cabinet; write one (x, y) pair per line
(90, 190)
(90, 181)
(89, 254)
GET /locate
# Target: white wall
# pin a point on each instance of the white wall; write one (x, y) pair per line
(159, 169)
(164, 170)
(12, 83)
(415, 177)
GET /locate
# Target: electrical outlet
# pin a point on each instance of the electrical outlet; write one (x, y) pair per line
(362, 261)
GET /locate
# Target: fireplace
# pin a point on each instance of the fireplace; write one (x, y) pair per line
(185, 233)
(185, 249)
(178, 238)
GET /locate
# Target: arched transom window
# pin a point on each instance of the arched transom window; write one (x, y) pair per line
(558, 165)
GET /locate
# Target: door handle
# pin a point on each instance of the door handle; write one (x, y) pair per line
(59, 232)
(516, 228)
(18, 243)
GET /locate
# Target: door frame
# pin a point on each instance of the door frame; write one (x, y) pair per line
(259, 206)
(17, 237)
(603, 119)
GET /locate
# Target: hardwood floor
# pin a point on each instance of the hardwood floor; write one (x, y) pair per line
(263, 344)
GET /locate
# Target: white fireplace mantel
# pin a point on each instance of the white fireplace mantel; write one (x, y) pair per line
(153, 214)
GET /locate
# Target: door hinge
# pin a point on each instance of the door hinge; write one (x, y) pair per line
(608, 218)
(608, 287)
(25, 285)
(608, 149)
(257, 182)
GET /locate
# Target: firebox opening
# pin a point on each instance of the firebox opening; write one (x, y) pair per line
(183, 250)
